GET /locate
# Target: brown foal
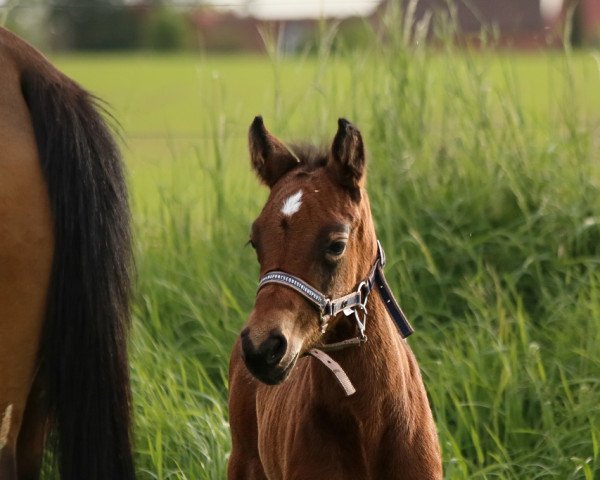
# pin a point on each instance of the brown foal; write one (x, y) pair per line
(289, 417)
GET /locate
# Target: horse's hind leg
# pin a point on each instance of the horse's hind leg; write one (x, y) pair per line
(32, 436)
(26, 250)
(8, 461)
(21, 448)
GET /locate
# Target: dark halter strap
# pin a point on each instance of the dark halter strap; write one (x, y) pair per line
(353, 302)
(386, 294)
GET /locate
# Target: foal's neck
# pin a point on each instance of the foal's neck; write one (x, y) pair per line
(384, 362)
(389, 413)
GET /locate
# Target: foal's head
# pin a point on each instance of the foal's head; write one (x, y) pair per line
(316, 225)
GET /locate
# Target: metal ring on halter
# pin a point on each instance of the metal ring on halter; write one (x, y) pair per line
(363, 294)
(362, 324)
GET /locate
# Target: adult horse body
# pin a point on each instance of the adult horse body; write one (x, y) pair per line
(289, 419)
(64, 277)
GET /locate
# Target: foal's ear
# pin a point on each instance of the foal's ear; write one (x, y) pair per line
(348, 155)
(270, 158)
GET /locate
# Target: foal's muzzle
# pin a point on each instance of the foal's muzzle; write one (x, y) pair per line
(263, 361)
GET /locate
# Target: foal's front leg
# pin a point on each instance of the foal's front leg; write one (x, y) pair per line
(244, 461)
(322, 448)
(244, 468)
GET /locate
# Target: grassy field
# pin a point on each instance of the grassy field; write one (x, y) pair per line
(484, 178)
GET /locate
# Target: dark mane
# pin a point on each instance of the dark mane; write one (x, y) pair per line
(311, 157)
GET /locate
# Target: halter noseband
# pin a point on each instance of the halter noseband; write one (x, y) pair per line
(353, 303)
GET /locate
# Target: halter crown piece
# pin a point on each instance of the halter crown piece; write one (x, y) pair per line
(352, 304)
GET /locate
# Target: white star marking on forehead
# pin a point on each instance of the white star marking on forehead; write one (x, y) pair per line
(292, 204)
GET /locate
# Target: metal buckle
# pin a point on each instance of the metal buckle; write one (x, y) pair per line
(323, 323)
(324, 317)
(362, 324)
(381, 254)
(363, 294)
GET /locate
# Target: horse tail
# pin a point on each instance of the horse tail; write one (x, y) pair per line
(83, 348)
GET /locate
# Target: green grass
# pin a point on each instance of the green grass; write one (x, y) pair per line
(484, 178)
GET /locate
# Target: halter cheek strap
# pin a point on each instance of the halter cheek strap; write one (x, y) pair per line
(352, 303)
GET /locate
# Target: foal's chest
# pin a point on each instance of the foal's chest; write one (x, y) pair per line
(300, 437)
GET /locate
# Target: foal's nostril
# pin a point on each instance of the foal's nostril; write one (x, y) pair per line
(274, 349)
(264, 360)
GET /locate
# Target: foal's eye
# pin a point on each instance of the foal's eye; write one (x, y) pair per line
(336, 248)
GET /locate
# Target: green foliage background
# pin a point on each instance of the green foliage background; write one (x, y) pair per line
(484, 177)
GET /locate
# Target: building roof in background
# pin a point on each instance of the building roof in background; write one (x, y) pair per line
(517, 23)
(299, 9)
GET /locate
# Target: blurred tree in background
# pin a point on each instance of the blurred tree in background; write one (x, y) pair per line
(96, 24)
(166, 29)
